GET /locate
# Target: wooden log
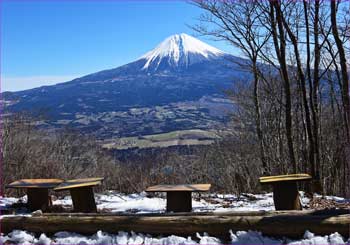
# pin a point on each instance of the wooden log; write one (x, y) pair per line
(285, 190)
(328, 212)
(178, 201)
(37, 191)
(278, 225)
(286, 196)
(38, 199)
(83, 199)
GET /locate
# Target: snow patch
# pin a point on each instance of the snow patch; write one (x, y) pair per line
(240, 237)
(112, 201)
(141, 203)
(180, 50)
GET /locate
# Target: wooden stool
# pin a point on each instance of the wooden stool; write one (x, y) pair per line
(179, 197)
(82, 193)
(285, 191)
(37, 191)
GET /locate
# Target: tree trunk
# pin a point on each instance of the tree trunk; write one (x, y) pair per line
(307, 112)
(302, 79)
(345, 95)
(258, 116)
(315, 112)
(280, 48)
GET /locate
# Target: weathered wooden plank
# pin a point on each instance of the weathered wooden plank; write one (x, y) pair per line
(189, 187)
(77, 183)
(288, 225)
(288, 177)
(35, 183)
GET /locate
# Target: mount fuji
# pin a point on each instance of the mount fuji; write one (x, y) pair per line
(178, 85)
(179, 52)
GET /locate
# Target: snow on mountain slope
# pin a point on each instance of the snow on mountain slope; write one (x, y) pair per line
(180, 50)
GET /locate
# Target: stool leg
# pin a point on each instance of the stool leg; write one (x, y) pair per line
(38, 199)
(83, 200)
(286, 196)
(179, 201)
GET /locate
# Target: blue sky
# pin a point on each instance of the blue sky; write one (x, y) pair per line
(46, 42)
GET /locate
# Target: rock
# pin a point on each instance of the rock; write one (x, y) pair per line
(37, 213)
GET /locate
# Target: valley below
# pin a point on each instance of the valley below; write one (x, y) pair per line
(176, 94)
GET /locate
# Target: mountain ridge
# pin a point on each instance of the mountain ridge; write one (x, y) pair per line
(129, 100)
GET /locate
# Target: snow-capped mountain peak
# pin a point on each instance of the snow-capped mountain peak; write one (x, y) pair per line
(179, 50)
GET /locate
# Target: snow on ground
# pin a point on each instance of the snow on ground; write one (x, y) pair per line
(142, 203)
(240, 237)
(138, 203)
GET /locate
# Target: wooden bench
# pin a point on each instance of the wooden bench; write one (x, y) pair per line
(37, 191)
(285, 191)
(179, 197)
(82, 194)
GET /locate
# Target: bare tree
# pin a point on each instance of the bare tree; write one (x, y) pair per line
(239, 25)
(345, 90)
(304, 42)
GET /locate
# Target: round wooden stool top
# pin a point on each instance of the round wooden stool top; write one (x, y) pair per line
(37, 191)
(82, 193)
(179, 197)
(283, 178)
(188, 187)
(35, 183)
(285, 191)
(78, 183)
